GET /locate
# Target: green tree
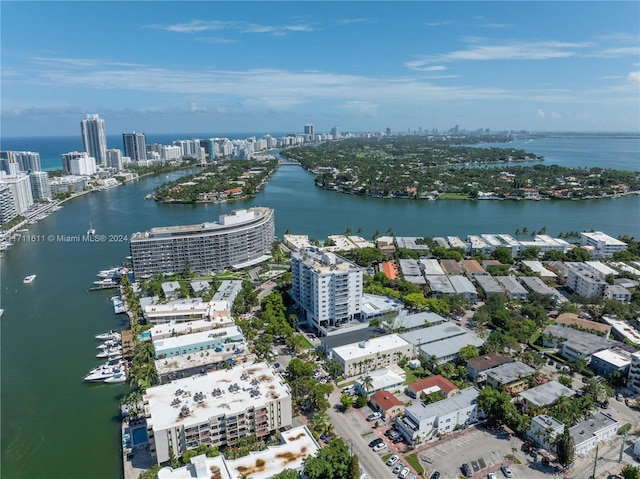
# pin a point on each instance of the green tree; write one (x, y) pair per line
(469, 351)
(346, 401)
(287, 474)
(502, 254)
(565, 447)
(331, 462)
(630, 472)
(367, 383)
(354, 468)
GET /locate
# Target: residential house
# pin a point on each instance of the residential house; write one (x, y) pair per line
(432, 384)
(386, 404)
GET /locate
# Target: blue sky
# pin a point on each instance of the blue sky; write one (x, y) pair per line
(206, 67)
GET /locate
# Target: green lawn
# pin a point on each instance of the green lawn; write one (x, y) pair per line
(453, 196)
(303, 342)
(411, 375)
(412, 459)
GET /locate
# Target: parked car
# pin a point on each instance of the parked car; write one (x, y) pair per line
(394, 435)
(392, 460)
(466, 470)
(619, 397)
(373, 416)
(379, 447)
(534, 452)
(375, 442)
(506, 470)
(399, 467)
(404, 473)
(435, 475)
(398, 440)
(492, 476)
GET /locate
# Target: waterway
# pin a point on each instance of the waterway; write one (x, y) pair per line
(52, 424)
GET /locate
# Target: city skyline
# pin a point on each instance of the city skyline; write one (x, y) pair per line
(167, 67)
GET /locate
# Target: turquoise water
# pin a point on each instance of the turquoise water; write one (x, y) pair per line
(55, 426)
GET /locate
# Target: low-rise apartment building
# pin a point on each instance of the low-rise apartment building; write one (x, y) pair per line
(371, 354)
(217, 408)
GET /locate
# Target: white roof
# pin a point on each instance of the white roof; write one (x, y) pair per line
(431, 267)
(601, 268)
(538, 267)
(182, 340)
(611, 357)
(167, 329)
(370, 347)
(392, 375)
(164, 415)
(298, 444)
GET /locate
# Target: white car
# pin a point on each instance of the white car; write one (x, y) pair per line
(379, 447)
(392, 460)
(404, 473)
(373, 416)
(492, 476)
(506, 470)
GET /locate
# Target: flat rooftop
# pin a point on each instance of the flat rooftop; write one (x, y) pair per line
(431, 267)
(433, 333)
(417, 320)
(439, 283)
(466, 398)
(298, 444)
(546, 393)
(176, 328)
(411, 242)
(538, 267)
(231, 333)
(585, 430)
(449, 346)
(369, 347)
(614, 358)
(510, 372)
(581, 341)
(324, 261)
(223, 392)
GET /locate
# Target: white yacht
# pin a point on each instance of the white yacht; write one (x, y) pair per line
(119, 377)
(113, 335)
(29, 279)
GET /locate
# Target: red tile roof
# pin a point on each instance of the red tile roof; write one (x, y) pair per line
(386, 400)
(442, 383)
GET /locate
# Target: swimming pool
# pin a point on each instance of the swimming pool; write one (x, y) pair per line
(139, 436)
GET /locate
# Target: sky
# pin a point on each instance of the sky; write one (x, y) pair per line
(209, 66)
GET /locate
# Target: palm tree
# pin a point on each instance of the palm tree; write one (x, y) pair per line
(367, 383)
(518, 232)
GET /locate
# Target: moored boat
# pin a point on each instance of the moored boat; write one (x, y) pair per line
(29, 279)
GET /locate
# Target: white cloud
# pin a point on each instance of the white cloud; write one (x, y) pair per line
(361, 108)
(441, 23)
(348, 21)
(540, 112)
(199, 26)
(634, 77)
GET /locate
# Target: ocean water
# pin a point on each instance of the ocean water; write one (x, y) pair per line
(52, 147)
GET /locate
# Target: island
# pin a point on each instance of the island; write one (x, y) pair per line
(433, 168)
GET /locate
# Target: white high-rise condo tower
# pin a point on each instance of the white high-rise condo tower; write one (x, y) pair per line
(94, 138)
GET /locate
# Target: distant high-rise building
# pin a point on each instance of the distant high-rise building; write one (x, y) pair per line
(7, 204)
(8, 163)
(334, 132)
(94, 138)
(388, 131)
(27, 160)
(114, 159)
(308, 132)
(135, 146)
(40, 187)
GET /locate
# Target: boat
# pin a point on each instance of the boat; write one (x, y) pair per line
(29, 279)
(119, 377)
(91, 231)
(111, 353)
(108, 273)
(108, 335)
(1, 312)
(100, 374)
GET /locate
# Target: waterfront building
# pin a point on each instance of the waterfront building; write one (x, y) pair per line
(371, 354)
(622, 329)
(68, 184)
(411, 242)
(78, 163)
(114, 159)
(327, 287)
(591, 431)
(20, 186)
(218, 408)
(425, 422)
(179, 310)
(230, 338)
(135, 146)
(633, 382)
(296, 445)
(601, 245)
(8, 163)
(7, 205)
(582, 281)
(167, 330)
(94, 138)
(239, 239)
(27, 161)
(40, 188)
